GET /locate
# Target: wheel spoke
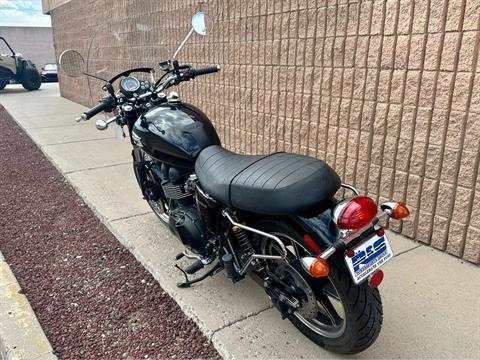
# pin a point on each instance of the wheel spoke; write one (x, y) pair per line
(330, 309)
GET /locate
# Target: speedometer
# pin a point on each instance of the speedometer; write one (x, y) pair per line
(129, 85)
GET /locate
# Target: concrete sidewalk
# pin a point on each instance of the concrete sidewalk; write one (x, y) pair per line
(431, 299)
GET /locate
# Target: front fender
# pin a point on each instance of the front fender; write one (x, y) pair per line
(320, 228)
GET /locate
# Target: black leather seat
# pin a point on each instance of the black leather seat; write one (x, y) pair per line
(276, 184)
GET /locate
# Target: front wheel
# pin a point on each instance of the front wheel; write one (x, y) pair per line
(145, 180)
(349, 317)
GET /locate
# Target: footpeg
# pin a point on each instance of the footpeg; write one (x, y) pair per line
(179, 256)
(194, 267)
(187, 283)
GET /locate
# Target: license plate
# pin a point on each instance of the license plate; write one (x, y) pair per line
(369, 256)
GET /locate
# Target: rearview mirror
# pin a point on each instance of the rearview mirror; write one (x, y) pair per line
(72, 63)
(199, 23)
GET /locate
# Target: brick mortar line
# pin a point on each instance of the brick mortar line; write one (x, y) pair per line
(320, 96)
(371, 126)
(430, 115)
(415, 114)
(362, 104)
(352, 91)
(402, 106)
(330, 81)
(443, 244)
(462, 140)
(342, 80)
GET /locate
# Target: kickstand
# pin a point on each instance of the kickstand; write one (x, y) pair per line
(214, 270)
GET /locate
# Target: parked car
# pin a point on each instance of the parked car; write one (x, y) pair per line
(49, 73)
(14, 68)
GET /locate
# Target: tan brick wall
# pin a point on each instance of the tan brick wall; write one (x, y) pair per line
(387, 92)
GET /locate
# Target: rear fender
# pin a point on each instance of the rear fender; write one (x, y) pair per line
(321, 229)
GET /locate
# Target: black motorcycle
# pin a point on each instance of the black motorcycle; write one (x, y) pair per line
(273, 216)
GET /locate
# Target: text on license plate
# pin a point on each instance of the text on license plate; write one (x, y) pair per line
(369, 256)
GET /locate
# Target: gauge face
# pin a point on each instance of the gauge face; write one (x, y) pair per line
(129, 85)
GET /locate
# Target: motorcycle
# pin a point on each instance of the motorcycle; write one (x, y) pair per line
(275, 217)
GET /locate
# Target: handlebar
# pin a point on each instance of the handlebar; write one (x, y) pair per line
(106, 104)
(185, 74)
(204, 71)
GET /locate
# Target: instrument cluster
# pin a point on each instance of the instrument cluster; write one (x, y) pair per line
(130, 85)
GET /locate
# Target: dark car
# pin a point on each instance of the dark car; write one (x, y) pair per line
(49, 73)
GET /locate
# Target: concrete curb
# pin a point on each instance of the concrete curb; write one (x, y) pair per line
(21, 336)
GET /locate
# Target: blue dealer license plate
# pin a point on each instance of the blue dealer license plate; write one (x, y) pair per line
(369, 257)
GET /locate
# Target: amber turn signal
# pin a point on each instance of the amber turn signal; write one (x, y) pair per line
(316, 266)
(319, 268)
(400, 211)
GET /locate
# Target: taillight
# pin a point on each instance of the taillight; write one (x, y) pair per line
(356, 213)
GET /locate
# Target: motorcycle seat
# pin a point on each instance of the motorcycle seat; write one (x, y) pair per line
(276, 184)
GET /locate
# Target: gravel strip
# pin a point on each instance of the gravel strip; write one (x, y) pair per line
(91, 296)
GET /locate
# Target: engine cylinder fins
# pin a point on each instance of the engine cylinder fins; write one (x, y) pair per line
(175, 192)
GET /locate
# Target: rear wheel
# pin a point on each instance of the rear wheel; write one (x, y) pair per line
(3, 83)
(31, 79)
(349, 317)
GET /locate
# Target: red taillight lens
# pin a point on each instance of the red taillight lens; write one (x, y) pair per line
(357, 213)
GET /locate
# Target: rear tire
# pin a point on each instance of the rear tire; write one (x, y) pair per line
(362, 305)
(31, 79)
(3, 83)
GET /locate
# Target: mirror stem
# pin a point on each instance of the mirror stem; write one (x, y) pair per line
(93, 76)
(182, 44)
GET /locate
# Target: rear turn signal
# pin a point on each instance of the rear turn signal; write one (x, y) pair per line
(356, 213)
(317, 267)
(400, 211)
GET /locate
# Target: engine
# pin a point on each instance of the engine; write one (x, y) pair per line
(179, 185)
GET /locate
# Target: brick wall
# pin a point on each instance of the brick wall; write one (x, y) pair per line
(387, 92)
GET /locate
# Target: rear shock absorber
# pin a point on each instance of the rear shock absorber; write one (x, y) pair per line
(244, 242)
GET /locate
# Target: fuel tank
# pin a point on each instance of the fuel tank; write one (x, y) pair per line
(174, 133)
